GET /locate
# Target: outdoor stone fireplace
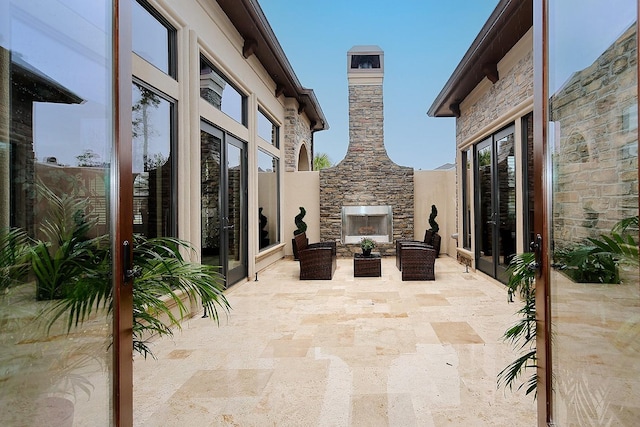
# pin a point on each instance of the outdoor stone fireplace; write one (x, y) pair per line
(374, 222)
(366, 194)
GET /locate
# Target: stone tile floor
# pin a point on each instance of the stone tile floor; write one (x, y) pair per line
(345, 352)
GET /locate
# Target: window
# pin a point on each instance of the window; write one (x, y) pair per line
(153, 39)
(153, 163)
(219, 92)
(467, 162)
(527, 150)
(268, 199)
(267, 130)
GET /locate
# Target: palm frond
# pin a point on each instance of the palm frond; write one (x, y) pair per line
(15, 251)
(509, 375)
(522, 335)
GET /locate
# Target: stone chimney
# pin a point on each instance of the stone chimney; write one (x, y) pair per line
(366, 181)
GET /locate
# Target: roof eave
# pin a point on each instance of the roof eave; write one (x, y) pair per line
(509, 21)
(249, 19)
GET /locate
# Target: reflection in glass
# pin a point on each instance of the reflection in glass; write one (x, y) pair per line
(55, 153)
(484, 244)
(210, 175)
(529, 206)
(594, 135)
(152, 163)
(506, 172)
(467, 171)
(217, 91)
(267, 130)
(268, 199)
(236, 177)
(152, 40)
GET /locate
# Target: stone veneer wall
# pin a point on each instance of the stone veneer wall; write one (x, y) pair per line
(296, 132)
(366, 176)
(596, 145)
(508, 93)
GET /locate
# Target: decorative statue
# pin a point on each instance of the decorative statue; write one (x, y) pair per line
(302, 226)
(432, 219)
(264, 234)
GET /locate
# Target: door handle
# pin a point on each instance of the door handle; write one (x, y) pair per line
(130, 272)
(226, 225)
(536, 248)
(493, 220)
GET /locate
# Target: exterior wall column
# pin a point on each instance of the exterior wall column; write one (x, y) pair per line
(5, 144)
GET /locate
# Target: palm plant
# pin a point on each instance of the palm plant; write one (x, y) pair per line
(321, 161)
(598, 261)
(76, 271)
(67, 253)
(15, 248)
(522, 335)
(620, 244)
(163, 276)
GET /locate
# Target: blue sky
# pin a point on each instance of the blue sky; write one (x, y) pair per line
(423, 41)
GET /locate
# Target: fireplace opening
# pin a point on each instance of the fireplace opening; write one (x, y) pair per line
(374, 222)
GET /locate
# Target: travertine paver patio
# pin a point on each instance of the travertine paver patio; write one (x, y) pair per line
(346, 352)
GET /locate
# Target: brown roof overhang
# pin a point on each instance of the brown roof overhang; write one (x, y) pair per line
(508, 23)
(34, 86)
(259, 40)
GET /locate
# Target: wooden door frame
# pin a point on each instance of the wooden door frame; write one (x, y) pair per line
(542, 186)
(122, 215)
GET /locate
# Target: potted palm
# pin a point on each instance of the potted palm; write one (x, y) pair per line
(367, 245)
(74, 271)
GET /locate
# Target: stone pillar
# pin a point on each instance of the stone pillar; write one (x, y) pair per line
(366, 176)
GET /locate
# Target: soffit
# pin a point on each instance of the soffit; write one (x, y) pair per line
(249, 20)
(508, 23)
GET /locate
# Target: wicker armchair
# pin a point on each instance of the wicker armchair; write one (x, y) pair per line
(317, 260)
(418, 263)
(401, 244)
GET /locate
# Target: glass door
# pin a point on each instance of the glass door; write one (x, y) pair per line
(234, 225)
(56, 145)
(223, 208)
(486, 217)
(496, 201)
(592, 258)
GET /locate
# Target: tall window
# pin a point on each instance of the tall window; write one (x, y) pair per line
(268, 199)
(527, 150)
(216, 89)
(153, 38)
(153, 163)
(467, 163)
(267, 130)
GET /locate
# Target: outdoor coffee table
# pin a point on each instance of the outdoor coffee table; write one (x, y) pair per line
(367, 266)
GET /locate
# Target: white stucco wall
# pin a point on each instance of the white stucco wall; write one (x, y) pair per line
(436, 187)
(301, 189)
(430, 188)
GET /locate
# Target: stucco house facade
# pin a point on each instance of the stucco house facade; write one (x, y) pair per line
(191, 105)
